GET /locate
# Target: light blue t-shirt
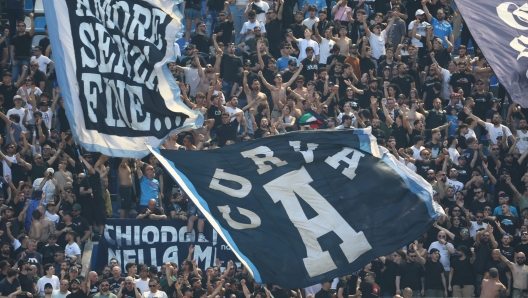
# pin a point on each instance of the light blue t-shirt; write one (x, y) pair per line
(282, 63)
(441, 29)
(149, 190)
(498, 211)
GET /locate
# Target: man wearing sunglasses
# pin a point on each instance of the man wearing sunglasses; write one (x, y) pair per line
(128, 289)
(104, 290)
(153, 291)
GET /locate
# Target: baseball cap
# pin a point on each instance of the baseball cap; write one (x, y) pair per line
(494, 100)
(129, 278)
(53, 236)
(17, 97)
(419, 12)
(247, 62)
(77, 206)
(435, 192)
(75, 280)
(462, 156)
(51, 170)
(74, 268)
(190, 47)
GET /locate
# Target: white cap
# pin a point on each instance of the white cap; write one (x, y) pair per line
(419, 12)
(51, 170)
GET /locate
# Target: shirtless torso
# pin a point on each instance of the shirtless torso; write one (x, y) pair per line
(47, 228)
(413, 115)
(491, 288)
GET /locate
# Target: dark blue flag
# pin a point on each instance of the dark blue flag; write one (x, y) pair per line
(499, 29)
(305, 207)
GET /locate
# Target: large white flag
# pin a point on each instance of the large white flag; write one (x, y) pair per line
(111, 59)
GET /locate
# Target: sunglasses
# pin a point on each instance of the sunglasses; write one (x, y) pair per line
(152, 286)
(441, 236)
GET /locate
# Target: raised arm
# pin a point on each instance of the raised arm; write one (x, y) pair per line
(427, 14)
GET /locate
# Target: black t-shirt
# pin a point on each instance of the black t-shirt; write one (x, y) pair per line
(310, 67)
(433, 272)
(26, 284)
(364, 101)
(230, 68)
(464, 173)
(463, 273)
(366, 64)
(7, 288)
(411, 274)
(94, 182)
(323, 294)
(274, 26)
(61, 240)
(227, 32)
(39, 76)
(404, 83)
(369, 289)
(508, 252)
(194, 4)
(44, 43)
(8, 92)
(422, 167)
(202, 42)
(463, 80)
(78, 294)
(82, 224)
(522, 248)
(435, 119)
(15, 228)
(227, 132)
(482, 104)
(22, 45)
(508, 223)
(342, 284)
(389, 277)
(129, 294)
(502, 268)
(214, 113)
(400, 135)
(115, 284)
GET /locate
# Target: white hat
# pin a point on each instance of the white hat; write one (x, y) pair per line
(419, 12)
(51, 170)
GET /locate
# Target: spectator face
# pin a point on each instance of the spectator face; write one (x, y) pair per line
(411, 257)
(64, 285)
(32, 247)
(104, 287)
(64, 265)
(322, 17)
(479, 216)
(93, 276)
(505, 240)
(256, 86)
(75, 286)
(496, 119)
(153, 286)
(149, 172)
(48, 290)
(435, 256)
(520, 258)
(298, 18)
(21, 27)
(524, 236)
(464, 233)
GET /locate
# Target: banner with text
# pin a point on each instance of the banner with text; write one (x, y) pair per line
(301, 208)
(499, 29)
(112, 60)
(153, 242)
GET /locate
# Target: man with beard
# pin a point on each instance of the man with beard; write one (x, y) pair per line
(504, 273)
(484, 244)
(284, 61)
(522, 135)
(420, 30)
(495, 128)
(463, 78)
(482, 100)
(441, 27)
(519, 273)
(403, 80)
(230, 66)
(14, 223)
(298, 27)
(5, 250)
(371, 93)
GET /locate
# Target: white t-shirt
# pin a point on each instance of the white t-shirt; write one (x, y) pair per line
(446, 75)
(193, 79)
(377, 43)
(310, 22)
(475, 227)
(420, 31)
(72, 249)
(471, 133)
(20, 112)
(34, 90)
(53, 217)
(522, 144)
(495, 132)
(416, 152)
(43, 62)
(444, 253)
(324, 49)
(57, 294)
(303, 44)
(54, 281)
(261, 17)
(457, 185)
(6, 168)
(142, 285)
(251, 26)
(158, 294)
(48, 189)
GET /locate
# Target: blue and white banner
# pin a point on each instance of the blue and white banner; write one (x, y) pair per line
(301, 208)
(501, 32)
(111, 58)
(154, 242)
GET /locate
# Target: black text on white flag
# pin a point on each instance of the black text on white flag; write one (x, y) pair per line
(114, 68)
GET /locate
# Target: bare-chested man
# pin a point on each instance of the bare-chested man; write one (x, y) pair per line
(35, 229)
(125, 188)
(482, 71)
(413, 115)
(254, 97)
(171, 143)
(519, 274)
(278, 92)
(46, 225)
(492, 286)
